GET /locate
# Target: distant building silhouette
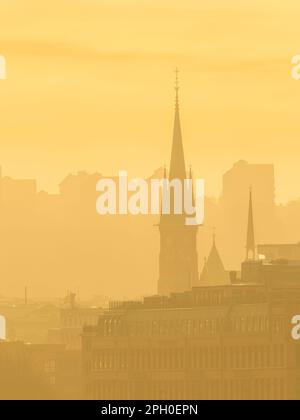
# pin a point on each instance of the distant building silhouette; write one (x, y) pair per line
(234, 202)
(272, 252)
(17, 196)
(178, 261)
(73, 318)
(39, 371)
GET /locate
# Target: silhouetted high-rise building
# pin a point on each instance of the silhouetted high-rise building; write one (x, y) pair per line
(178, 262)
(235, 202)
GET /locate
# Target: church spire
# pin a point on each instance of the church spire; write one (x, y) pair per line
(177, 166)
(250, 246)
(178, 260)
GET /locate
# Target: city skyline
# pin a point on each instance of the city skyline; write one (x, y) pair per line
(150, 239)
(66, 88)
(69, 224)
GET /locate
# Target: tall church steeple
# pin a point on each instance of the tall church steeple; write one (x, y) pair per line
(177, 166)
(178, 260)
(250, 245)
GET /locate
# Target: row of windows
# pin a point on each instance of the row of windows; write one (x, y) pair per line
(239, 357)
(254, 357)
(76, 320)
(209, 297)
(240, 325)
(50, 366)
(214, 389)
(256, 389)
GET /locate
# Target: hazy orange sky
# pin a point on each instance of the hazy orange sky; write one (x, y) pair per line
(90, 86)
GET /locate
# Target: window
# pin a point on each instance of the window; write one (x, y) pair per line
(50, 366)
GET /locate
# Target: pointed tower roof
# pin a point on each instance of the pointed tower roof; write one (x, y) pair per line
(204, 274)
(250, 245)
(214, 273)
(177, 166)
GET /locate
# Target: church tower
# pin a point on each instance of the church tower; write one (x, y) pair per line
(178, 260)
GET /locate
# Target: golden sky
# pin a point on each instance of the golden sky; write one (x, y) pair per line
(90, 87)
